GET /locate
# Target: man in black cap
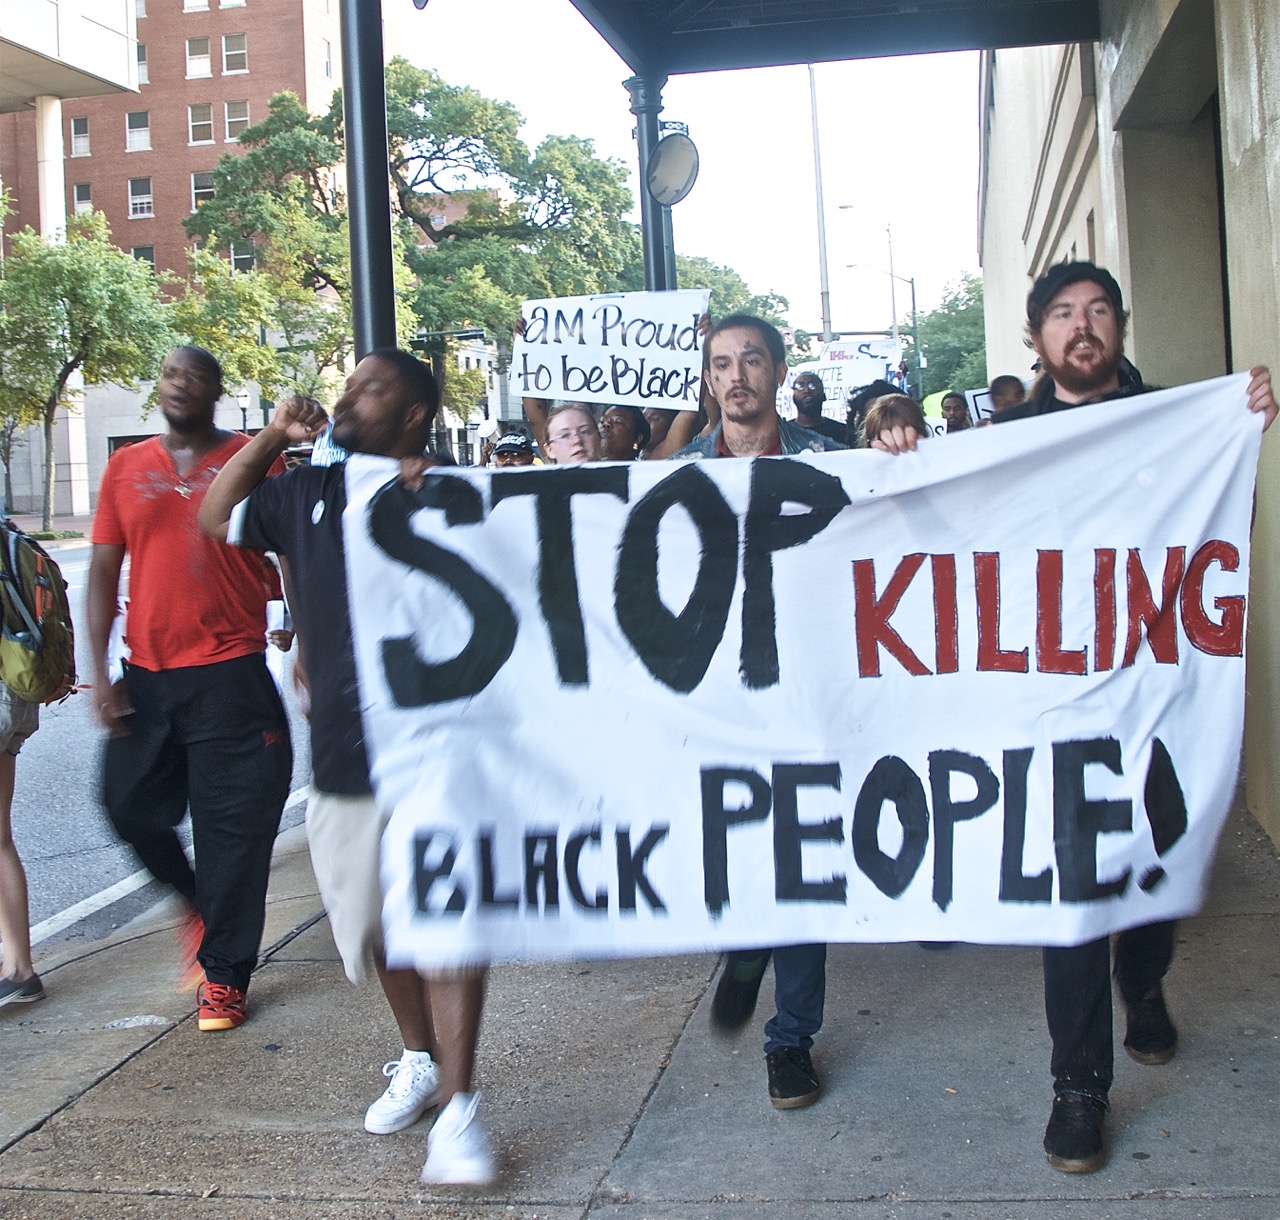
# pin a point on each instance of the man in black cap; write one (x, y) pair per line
(514, 449)
(1076, 323)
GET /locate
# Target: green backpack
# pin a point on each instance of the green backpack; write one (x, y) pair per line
(38, 647)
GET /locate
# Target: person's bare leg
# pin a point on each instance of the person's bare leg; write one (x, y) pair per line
(15, 928)
(408, 995)
(457, 1002)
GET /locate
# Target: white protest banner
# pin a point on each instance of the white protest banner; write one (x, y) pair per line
(639, 349)
(990, 691)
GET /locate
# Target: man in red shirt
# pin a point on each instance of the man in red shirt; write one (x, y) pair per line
(196, 720)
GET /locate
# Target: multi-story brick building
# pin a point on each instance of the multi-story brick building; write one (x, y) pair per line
(206, 70)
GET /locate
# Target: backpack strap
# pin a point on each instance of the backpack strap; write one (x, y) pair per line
(9, 575)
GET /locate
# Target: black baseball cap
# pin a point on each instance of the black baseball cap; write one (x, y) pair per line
(1062, 275)
(514, 442)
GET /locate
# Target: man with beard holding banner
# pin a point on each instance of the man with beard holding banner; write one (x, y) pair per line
(387, 409)
(1076, 323)
(745, 364)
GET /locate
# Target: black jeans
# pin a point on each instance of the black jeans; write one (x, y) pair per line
(1077, 1001)
(213, 738)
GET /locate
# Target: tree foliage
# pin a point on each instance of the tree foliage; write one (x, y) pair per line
(954, 340)
(76, 306)
(483, 222)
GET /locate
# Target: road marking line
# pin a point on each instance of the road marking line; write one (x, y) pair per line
(113, 893)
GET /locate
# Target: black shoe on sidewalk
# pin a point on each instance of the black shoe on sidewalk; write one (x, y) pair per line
(735, 998)
(25, 992)
(1073, 1138)
(793, 1084)
(1150, 1037)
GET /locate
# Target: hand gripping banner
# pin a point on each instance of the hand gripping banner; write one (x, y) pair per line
(992, 691)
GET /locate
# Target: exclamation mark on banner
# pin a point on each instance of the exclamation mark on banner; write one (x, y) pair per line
(1166, 810)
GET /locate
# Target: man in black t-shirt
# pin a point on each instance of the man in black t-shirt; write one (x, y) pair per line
(808, 393)
(387, 409)
(1076, 322)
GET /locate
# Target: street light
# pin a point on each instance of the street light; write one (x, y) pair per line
(915, 325)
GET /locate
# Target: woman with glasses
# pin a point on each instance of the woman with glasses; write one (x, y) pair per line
(572, 434)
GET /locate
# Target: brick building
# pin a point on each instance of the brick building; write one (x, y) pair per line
(206, 70)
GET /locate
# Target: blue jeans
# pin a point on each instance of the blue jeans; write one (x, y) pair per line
(800, 987)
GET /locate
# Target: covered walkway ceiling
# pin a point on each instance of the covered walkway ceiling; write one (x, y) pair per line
(666, 37)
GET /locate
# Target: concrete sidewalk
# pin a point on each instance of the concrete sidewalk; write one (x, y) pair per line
(607, 1094)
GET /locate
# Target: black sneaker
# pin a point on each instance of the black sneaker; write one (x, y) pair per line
(25, 992)
(1073, 1138)
(793, 1084)
(1150, 1037)
(735, 998)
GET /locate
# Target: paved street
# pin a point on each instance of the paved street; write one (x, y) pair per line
(70, 852)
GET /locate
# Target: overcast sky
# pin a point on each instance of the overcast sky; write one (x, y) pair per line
(899, 144)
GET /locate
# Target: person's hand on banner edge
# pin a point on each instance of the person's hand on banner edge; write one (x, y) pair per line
(898, 439)
(299, 419)
(1261, 397)
(412, 470)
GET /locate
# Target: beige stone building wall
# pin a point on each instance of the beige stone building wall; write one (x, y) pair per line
(1156, 153)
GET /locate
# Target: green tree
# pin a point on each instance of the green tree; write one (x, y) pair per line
(464, 390)
(77, 306)
(954, 340)
(729, 291)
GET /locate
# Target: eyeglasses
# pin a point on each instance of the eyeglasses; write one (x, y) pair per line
(582, 434)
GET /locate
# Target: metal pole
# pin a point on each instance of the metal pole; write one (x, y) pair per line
(822, 220)
(364, 102)
(668, 249)
(915, 333)
(893, 296)
(646, 105)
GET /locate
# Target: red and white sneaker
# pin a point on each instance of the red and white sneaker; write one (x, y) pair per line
(221, 1007)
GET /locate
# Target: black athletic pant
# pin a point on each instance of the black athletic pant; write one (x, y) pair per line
(213, 738)
(1077, 1001)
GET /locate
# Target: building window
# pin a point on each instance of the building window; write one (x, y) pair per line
(200, 123)
(235, 54)
(140, 197)
(137, 130)
(81, 199)
(201, 188)
(198, 61)
(144, 77)
(139, 8)
(237, 118)
(327, 49)
(242, 256)
(145, 254)
(79, 137)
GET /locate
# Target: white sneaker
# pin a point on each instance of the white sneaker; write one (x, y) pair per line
(458, 1152)
(414, 1087)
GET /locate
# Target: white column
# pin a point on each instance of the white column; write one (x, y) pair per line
(51, 178)
(71, 491)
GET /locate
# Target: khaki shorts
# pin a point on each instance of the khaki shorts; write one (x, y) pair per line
(18, 720)
(344, 834)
